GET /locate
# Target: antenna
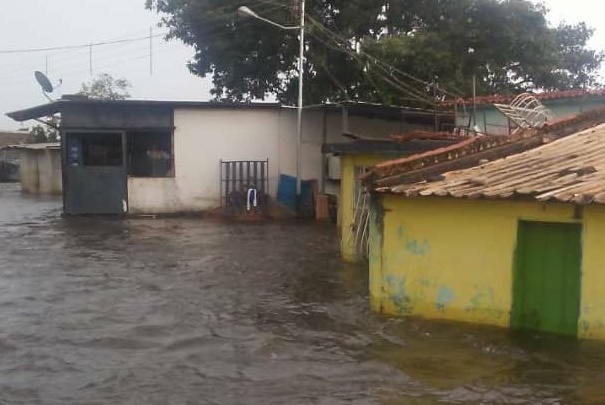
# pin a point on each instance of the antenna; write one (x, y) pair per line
(45, 84)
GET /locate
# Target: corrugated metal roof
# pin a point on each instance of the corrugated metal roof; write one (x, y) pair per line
(571, 169)
(355, 108)
(548, 95)
(55, 107)
(35, 146)
(381, 146)
(12, 137)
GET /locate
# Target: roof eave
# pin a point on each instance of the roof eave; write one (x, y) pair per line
(39, 111)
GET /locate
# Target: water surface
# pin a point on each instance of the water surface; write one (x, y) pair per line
(187, 311)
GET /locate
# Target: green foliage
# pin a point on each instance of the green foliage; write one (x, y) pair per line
(106, 87)
(45, 133)
(514, 48)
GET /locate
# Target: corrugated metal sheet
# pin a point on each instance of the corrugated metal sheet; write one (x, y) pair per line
(571, 169)
(12, 137)
(549, 95)
(35, 146)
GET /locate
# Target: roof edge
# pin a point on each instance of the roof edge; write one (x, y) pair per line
(472, 151)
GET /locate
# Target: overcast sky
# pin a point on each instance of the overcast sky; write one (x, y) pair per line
(26, 24)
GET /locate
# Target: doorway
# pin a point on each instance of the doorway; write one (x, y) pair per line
(547, 277)
(95, 173)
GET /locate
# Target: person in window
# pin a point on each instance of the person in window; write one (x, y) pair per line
(160, 161)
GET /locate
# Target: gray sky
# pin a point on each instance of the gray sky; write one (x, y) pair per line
(26, 24)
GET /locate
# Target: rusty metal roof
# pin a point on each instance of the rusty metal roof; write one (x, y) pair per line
(570, 169)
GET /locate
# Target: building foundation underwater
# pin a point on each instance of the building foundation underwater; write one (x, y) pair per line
(514, 242)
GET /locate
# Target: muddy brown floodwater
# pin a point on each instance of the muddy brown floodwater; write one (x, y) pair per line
(186, 311)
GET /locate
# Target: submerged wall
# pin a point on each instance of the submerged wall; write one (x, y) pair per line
(346, 207)
(41, 171)
(201, 139)
(452, 259)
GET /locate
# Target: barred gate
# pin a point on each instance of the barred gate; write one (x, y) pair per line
(359, 231)
(238, 177)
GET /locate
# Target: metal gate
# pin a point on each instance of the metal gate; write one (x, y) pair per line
(244, 185)
(95, 180)
(361, 216)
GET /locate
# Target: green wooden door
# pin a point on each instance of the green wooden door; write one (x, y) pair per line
(547, 277)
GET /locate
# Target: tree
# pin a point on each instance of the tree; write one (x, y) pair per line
(376, 50)
(106, 87)
(45, 133)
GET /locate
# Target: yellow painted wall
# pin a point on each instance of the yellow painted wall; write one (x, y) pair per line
(346, 204)
(592, 308)
(445, 258)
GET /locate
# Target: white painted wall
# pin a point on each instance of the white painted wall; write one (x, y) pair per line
(202, 138)
(313, 138)
(205, 136)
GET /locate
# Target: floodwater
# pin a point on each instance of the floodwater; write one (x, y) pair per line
(187, 311)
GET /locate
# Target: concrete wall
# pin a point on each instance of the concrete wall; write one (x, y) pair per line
(201, 139)
(30, 179)
(346, 208)
(41, 171)
(453, 259)
(321, 127)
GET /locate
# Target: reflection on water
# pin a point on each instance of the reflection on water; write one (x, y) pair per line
(184, 311)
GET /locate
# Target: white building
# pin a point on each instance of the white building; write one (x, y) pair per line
(160, 157)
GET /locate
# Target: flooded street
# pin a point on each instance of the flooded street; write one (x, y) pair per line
(187, 311)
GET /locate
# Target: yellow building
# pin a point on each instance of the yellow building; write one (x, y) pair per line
(353, 208)
(517, 241)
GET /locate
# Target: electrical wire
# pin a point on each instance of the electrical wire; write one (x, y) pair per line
(377, 60)
(68, 47)
(418, 95)
(210, 29)
(119, 40)
(383, 69)
(69, 67)
(343, 45)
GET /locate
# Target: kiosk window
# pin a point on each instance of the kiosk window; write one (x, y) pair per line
(100, 149)
(150, 154)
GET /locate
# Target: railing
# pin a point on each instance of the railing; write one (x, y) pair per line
(238, 178)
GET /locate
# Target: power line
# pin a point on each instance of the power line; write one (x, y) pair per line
(210, 29)
(67, 67)
(382, 73)
(70, 47)
(343, 41)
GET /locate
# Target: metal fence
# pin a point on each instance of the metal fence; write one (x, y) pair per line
(238, 178)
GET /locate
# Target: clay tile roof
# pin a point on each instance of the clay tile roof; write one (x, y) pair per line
(395, 175)
(570, 169)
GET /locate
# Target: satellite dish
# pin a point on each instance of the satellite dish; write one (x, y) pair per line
(43, 81)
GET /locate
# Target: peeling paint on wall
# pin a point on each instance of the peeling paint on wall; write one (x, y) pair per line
(441, 258)
(396, 290)
(444, 297)
(417, 247)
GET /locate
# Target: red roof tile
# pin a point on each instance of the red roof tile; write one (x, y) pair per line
(391, 171)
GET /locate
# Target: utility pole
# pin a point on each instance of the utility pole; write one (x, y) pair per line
(90, 59)
(301, 69)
